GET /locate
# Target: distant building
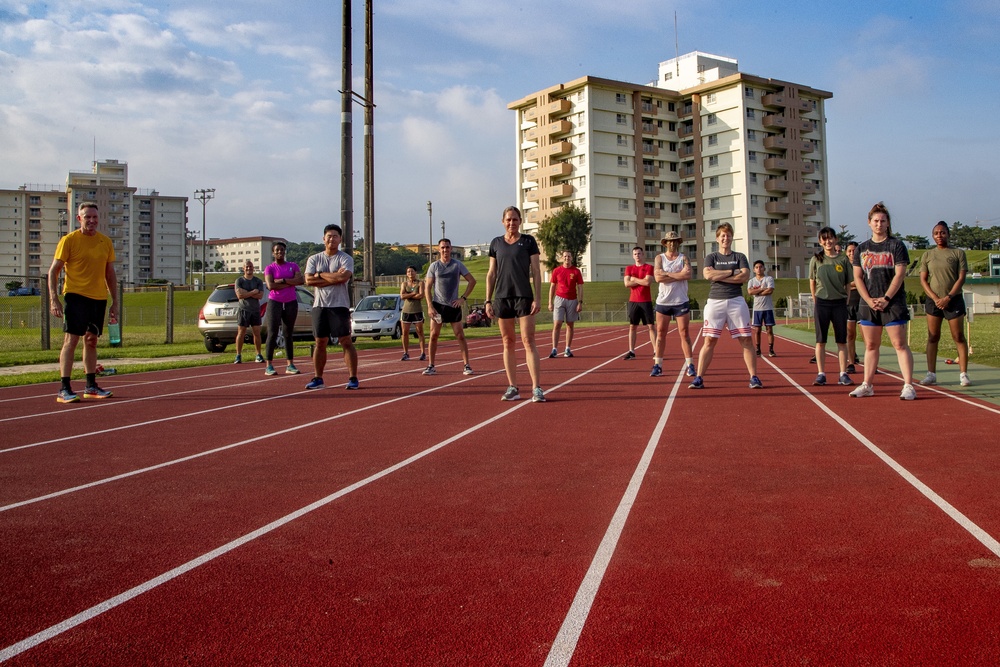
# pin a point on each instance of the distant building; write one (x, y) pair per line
(233, 253)
(701, 145)
(458, 252)
(147, 228)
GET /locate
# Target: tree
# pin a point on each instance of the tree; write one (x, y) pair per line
(219, 267)
(300, 252)
(918, 242)
(390, 259)
(569, 229)
(844, 237)
(12, 285)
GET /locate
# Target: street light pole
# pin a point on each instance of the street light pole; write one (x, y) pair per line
(203, 196)
(430, 234)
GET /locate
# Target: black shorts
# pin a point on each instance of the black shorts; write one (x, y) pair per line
(82, 315)
(248, 318)
(449, 314)
(509, 309)
(412, 318)
(827, 312)
(956, 308)
(331, 322)
(853, 302)
(640, 312)
(895, 313)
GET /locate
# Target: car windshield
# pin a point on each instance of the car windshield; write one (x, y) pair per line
(378, 303)
(223, 295)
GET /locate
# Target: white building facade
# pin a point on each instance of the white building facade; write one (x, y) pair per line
(647, 159)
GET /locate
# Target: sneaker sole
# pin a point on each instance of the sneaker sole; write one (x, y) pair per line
(60, 399)
(96, 396)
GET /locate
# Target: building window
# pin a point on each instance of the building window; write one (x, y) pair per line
(713, 140)
(621, 119)
(749, 92)
(667, 76)
(713, 160)
(674, 208)
(623, 205)
(752, 156)
(713, 204)
(622, 161)
(620, 98)
(753, 200)
(673, 187)
(623, 226)
(751, 135)
(755, 223)
(713, 182)
(672, 126)
(750, 113)
(710, 99)
(756, 246)
(711, 119)
(622, 182)
(622, 141)
(753, 177)
(622, 249)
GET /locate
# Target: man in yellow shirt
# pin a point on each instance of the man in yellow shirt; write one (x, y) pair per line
(88, 259)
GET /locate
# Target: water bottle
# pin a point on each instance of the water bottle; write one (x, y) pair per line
(115, 334)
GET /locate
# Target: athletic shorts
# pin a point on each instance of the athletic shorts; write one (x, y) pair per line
(509, 309)
(956, 308)
(674, 311)
(82, 315)
(640, 312)
(564, 310)
(895, 315)
(733, 313)
(449, 314)
(853, 301)
(827, 312)
(763, 318)
(331, 322)
(412, 318)
(248, 318)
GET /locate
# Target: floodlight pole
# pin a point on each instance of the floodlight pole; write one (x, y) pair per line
(430, 234)
(204, 196)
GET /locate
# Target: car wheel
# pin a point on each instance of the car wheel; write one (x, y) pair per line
(213, 345)
(376, 337)
(397, 333)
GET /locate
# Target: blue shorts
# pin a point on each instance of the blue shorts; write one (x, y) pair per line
(674, 311)
(763, 318)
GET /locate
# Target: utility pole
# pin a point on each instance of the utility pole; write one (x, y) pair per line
(346, 137)
(369, 253)
(204, 196)
(430, 234)
(443, 235)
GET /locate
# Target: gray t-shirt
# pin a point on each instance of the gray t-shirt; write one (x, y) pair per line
(446, 280)
(734, 260)
(762, 302)
(255, 283)
(332, 296)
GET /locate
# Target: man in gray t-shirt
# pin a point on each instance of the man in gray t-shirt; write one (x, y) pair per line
(249, 290)
(329, 273)
(444, 305)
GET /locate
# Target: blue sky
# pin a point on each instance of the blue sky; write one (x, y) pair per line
(243, 97)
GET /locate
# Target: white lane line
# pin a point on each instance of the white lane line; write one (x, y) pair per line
(564, 644)
(107, 605)
(981, 535)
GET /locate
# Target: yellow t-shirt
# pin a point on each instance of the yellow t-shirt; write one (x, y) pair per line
(86, 259)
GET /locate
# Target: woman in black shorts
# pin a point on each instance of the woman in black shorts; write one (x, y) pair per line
(942, 275)
(411, 291)
(830, 273)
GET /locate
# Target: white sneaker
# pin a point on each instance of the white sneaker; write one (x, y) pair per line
(964, 380)
(908, 393)
(929, 379)
(864, 389)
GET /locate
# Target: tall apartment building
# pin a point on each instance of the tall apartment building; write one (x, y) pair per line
(701, 145)
(147, 228)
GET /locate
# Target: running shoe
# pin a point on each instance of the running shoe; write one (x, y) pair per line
(771, 353)
(67, 396)
(963, 379)
(856, 360)
(755, 383)
(406, 357)
(423, 356)
(315, 383)
(259, 359)
(656, 372)
(929, 379)
(813, 360)
(238, 359)
(820, 380)
(291, 370)
(511, 394)
(908, 393)
(537, 395)
(553, 354)
(697, 383)
(845, 380)
(352, 383)
(863, 391)
(850, 369)
(628, 355)
(467, 370)
(430, 371)
(568, 353)
(93, 391)
(691, 372)
(758, 351)
(270, 370)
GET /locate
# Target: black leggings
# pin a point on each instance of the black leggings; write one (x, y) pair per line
(282, 314)
(831, 311)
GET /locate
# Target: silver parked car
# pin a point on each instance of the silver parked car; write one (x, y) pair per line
(217, 319)
(376, 316)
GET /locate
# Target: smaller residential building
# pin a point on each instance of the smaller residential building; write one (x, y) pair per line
(234, 252)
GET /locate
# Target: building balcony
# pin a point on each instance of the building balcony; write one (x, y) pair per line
(776, 121)
(778, 230)
(558, 127)
(685, 111)
(650, 149)
(651, 212)
(649, 109)
(651, 190)
(649, 128)
(782, 101)
(534, 217)
(530, 114)
(686, 172)
(531, 155)
(558, 107)
(785, 207)
(531, 134)
(784, 185)
(687, 191)
(686, 130)
(783, 164)
(650, 170)
(688, 213)
(560, 190)
(557, 169)
(531, 195)
(531, 176)
(686, 150)
(558, 148)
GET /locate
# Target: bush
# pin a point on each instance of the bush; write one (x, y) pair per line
(781, 303)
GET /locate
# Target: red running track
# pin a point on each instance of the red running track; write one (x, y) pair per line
(214, 516)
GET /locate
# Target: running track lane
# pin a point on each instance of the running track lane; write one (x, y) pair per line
(597, 448)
